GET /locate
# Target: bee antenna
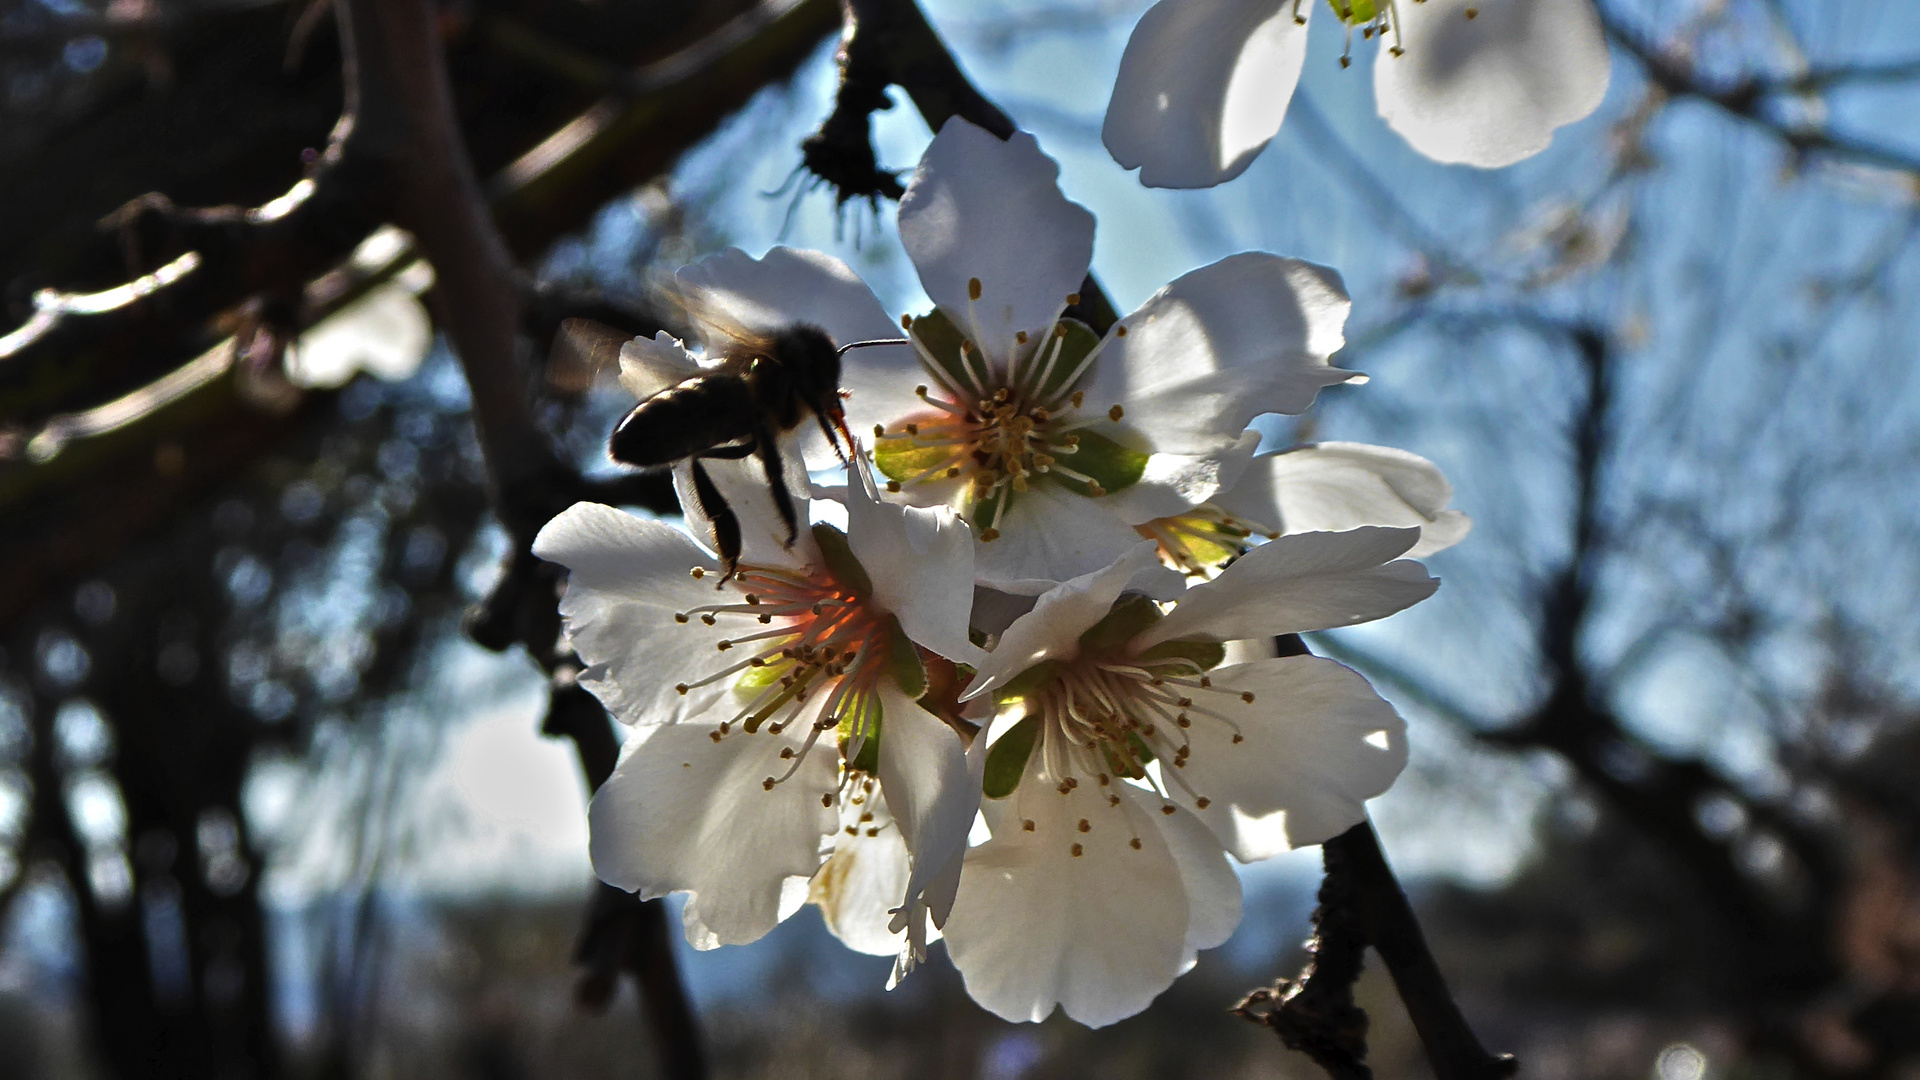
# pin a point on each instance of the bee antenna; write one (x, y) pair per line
(876, 341)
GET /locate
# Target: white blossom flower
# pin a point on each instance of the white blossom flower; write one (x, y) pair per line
(1052, 440)
(1135, 761)
(1323, 487)
(732, 680)
(1204, 84)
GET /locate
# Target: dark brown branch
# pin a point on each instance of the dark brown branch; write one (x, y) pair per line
(1315, 1013)
(407, 117)
(1387, 920)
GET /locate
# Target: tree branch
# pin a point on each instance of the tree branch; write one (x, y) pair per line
(394, 51)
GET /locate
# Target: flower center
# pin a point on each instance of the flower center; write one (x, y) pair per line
(1370, 17)
(999, 427)
(1202, 541)
(1107, 714)
(814, 650)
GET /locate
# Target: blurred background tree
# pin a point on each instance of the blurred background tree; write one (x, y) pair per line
(267, 471)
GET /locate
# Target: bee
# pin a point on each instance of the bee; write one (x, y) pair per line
(765, 386)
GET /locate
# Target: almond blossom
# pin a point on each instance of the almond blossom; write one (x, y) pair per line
(1053, 441)
(1126, 763)
(1323, 487)
(1204, 84)
(734, 682)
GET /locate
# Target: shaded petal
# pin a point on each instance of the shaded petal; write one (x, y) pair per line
(1336, 486)
(1053, 628)
(1245, 336)
(930, 783)
(650, 365)
(862, 881)
(921, 564)
(627, 578)
(1100, 933)
(684, 813)
(1318, 743)
(1490, 90)
(1050, 535)
(743, 486)
(1175, 483)
(1202, 86)
(1213, 889)
(981, 208)
(1308, 581)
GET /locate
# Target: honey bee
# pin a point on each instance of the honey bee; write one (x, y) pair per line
(765, 386)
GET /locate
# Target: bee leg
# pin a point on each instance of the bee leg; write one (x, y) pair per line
(726, 525)
(775, 467)
(833, 423)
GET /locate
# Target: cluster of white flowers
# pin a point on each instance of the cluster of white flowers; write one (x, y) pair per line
(1027, 698)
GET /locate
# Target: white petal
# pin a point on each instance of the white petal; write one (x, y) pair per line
(732, 291)
(1053, 628)
(1175, 483)
(1490, 90)
(1100, 934)
(1309, 581)
(1245, 336)
(627, 578)
(1202, 86)
(921, 564)
(1050, 535)
(1318, 743)
(683, 813)
(1336, 486)
(1213, 889)
(862, 881)
(650, 365)
(934, 793)
(742, 484)
(981, 208)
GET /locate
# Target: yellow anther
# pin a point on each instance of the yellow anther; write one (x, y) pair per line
(1085, 825)
(1114, 414)
(973, 288)
(1027, 824)
(698, 572)
(1078, 851)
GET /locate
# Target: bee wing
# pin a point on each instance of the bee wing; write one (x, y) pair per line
(727, 323)
(582, 350)
(650, 365)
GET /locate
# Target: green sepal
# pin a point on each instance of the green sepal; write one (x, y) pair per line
(1076, 342)
(1026, 683)
(1007, 759)
(1204, 654)
(1131, 614)
(755, 679)
(898, 458)
(903, 661)
(1113, 466)
(1354, 12)
(865, 716)
(942, 340)
(846, 569)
